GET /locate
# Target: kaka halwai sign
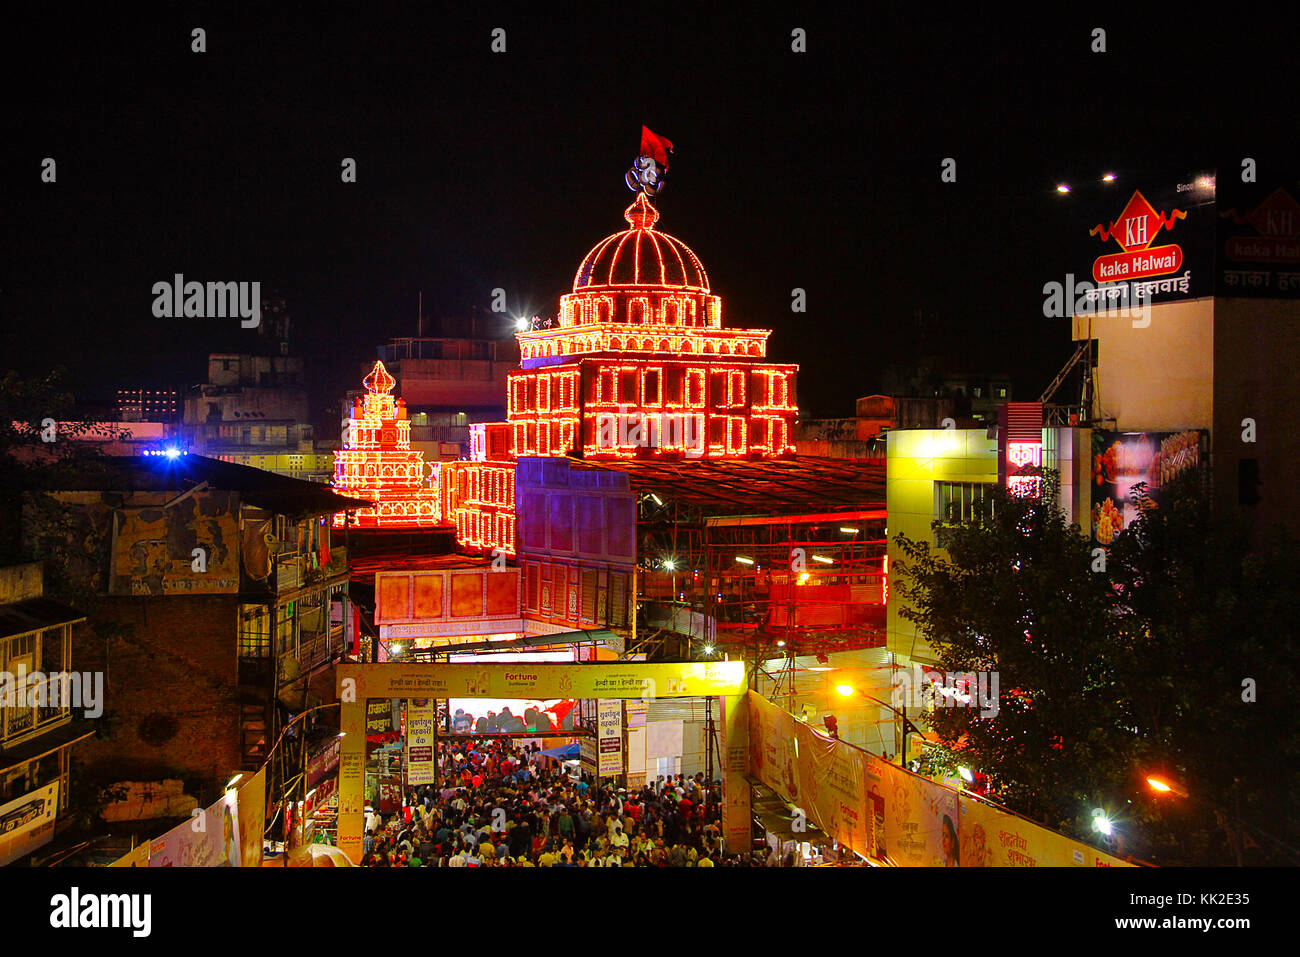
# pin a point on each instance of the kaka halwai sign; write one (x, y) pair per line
(1150, 244)
(1259, 237)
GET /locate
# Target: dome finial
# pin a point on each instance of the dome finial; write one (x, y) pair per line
(380, 380)
(641, 214)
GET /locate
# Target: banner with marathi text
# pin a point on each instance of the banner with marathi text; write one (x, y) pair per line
(887, 814)
(208, 839)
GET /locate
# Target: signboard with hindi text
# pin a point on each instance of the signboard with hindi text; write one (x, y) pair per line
(420, 719)
(609, 735)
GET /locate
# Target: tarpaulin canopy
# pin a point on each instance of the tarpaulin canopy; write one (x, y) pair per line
(567, 753)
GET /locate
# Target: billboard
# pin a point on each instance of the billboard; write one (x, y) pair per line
(190, 548)
(493, 715)
(27, 823)
(609, 735)
(420, 718)
(210, 839)
(1149, 241)
(1123, 460)
(1259, 234)
(890, 815)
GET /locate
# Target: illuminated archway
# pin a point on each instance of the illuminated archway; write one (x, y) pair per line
(620, 680)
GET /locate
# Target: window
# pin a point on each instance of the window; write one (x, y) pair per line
(255, 634)
(958, 501)
(1002, 393)
(976, 392)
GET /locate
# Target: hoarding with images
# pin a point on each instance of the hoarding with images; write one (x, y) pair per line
(210, 839)
(190, 548)
(1121, 461)
(27, 823)
(890, 815)
(492, 715)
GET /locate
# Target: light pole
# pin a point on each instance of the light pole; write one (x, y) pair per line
(284, 798)
(847, 691)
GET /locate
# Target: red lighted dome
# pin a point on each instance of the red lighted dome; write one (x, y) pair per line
(641, 257)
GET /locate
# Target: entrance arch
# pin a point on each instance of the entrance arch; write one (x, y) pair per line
(629, 680)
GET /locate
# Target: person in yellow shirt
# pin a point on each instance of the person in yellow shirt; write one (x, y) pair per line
(705, 862)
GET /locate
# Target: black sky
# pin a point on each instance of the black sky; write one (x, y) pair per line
(477, 170)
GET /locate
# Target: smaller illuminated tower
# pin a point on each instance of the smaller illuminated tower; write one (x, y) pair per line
(378, 464)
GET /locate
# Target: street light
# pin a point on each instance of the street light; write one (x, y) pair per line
(1162, 786)
(1101, 823)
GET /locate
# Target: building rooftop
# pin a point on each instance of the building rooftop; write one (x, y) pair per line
(735, 487)
(257, 487)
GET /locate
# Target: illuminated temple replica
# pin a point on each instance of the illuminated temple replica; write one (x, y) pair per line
(639, 367)
(378, 464)
(646, 466)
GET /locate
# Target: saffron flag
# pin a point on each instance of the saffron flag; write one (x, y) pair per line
(655, 146)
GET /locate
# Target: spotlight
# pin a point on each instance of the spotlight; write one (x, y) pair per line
(1101, 823)
(1108, 178)
(1062, 188)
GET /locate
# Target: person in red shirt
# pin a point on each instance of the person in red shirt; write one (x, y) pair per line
(684, 805)
(477, 779)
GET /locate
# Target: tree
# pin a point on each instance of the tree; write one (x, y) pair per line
(1110, 675)
(40, 449)
(1210, 676)
(1013, 592)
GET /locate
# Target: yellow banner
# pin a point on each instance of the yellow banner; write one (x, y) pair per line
(252, 820)
(994, 838)
(885, 813)
(541, 681)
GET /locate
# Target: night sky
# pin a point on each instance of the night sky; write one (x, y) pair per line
(476, 170)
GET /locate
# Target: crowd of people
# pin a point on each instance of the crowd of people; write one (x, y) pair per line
(501, 805)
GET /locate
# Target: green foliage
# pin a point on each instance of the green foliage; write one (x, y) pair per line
(34, 526)
(1106, 676)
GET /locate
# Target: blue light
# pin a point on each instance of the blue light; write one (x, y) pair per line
(172, 452)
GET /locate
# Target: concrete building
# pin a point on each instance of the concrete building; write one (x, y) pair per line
(254, 411)
(227, 606)
(38, 722)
